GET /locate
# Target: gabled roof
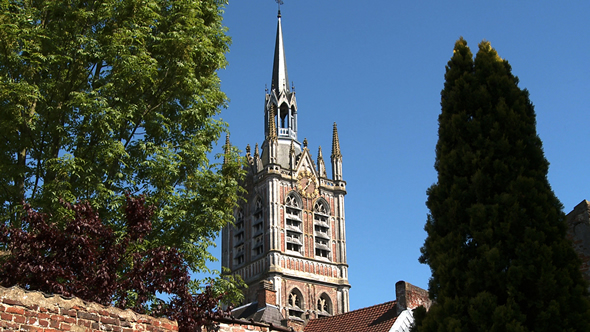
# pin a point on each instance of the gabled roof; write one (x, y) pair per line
(378, 318)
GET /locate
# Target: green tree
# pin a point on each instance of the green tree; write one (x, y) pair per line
(106, 97)
(496, 240)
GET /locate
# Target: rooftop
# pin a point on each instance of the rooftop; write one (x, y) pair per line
(378, 318)
(267, 314)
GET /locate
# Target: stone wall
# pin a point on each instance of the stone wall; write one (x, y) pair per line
(22, 310)
(578, 222)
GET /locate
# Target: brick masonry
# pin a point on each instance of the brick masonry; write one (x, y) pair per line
(410, 296)
(578, 222)
(249, 327)
(22, 310)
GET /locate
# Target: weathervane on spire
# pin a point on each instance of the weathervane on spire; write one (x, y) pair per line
(279, 2)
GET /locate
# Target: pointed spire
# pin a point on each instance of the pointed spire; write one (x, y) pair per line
(280, 79)
(336, 156)
(272, 130)
(292, 157)
(335, 143)
(321, 164)
(256, 152)
(305, 143)
(226, 149)
(248, 154)
(281, 95)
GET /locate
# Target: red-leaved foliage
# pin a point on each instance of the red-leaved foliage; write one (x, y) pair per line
(85, 259)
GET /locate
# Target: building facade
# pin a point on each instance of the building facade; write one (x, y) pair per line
(290, 228)
(578, 222)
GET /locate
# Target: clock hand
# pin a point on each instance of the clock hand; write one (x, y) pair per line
(308, 183)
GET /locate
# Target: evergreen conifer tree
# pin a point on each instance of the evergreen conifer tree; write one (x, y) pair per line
(496, 240)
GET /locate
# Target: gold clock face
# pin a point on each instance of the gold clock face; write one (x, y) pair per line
(307, 184)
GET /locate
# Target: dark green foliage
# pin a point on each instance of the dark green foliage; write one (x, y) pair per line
(496, 240)
(419, 314)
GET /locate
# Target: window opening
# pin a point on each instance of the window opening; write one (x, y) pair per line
(239, 238)
(324, 305)
(295, 304)
(321, 229)
(293, 224)
(239, 254)
(258, 228)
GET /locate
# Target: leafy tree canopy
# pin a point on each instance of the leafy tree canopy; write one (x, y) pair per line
(496, 240)
(107, 97)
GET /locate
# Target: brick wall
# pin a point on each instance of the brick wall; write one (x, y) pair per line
(578, 221)
(410, 296)
(34, 311)
(22, 310)
(249, 327)
(311, 293)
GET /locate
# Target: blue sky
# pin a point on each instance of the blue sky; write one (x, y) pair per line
(376, 68)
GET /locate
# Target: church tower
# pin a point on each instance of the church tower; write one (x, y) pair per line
(289, 232)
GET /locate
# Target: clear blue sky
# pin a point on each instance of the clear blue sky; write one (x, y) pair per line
(377, 69)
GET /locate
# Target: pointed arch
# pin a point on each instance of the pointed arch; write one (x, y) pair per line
(257, 227)
(257, 203)
(238, 240)
(293, 199)
(324, 305)
(293, 223)
(321, 206)
(239, 216)
(321, 225)
(295, 303)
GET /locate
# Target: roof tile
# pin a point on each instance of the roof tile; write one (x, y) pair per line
(378, 318)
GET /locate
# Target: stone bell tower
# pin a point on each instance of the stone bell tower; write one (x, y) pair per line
(290, 229)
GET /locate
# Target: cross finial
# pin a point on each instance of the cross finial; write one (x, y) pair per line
(279, 2)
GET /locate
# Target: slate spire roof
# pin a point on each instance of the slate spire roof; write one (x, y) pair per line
(280, 79)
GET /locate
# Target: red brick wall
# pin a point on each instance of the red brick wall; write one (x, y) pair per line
(311, 293)
(22, 310)
(34, 311)
(410, 296)
(245, 327)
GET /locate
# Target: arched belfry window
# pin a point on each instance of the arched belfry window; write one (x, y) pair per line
(284, 116)
(239, 219)
(321, 226)
(295, 303)
(321, 206)
(257, 227)
(238, 239)
(324, 305)
(293, 223)
(294, 200)
(286, 121)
